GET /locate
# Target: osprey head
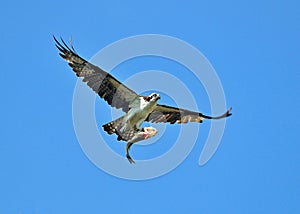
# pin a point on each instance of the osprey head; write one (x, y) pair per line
(152, 97)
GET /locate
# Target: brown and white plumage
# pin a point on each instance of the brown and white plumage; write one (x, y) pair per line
(168, 114)
(137, 108)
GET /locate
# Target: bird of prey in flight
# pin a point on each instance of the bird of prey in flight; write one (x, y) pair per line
(137, 108)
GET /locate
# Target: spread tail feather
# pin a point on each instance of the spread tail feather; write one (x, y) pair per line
(113, 126)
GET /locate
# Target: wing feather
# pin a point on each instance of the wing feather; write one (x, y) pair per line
(105, 85)
(169, 114)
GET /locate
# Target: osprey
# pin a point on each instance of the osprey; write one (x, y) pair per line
(137, 108)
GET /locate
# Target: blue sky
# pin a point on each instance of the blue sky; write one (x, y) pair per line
(253, 46)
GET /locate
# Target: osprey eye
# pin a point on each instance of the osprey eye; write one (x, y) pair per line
(148, 99)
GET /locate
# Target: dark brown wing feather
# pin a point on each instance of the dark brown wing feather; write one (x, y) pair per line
(168, 114)
(106, 86)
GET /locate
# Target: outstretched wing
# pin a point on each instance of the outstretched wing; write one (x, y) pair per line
(106, 86)
(169, 114)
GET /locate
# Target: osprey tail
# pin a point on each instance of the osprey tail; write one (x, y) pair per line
(113, 127)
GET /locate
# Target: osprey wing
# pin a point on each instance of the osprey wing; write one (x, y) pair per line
(105, 85)
(169, 114)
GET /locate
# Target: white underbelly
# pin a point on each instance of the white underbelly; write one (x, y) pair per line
(135, 117)
(139, 111)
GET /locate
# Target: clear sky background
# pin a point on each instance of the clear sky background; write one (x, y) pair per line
(254, 47)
